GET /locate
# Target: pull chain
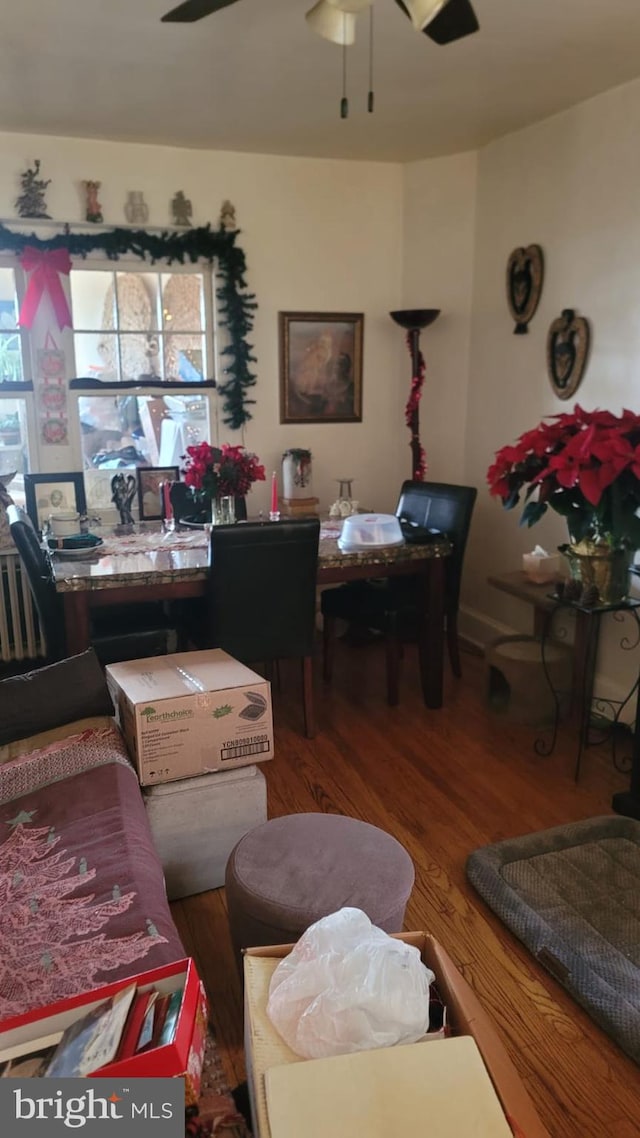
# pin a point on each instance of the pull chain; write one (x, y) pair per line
(344, 102)
(370, 97)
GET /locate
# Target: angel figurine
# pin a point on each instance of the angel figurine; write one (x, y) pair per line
(122, 494)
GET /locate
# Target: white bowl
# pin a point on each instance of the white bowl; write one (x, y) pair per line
(369, 531)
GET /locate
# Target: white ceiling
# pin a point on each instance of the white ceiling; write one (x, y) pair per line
(253, 77)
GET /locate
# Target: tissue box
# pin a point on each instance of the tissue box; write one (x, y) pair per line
(541, 570)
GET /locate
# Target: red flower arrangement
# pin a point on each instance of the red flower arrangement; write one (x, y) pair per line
(215, 471)
(584, 465)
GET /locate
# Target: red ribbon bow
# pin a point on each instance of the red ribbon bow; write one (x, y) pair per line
(45, 267)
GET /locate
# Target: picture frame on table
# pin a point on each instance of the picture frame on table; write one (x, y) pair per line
(54, 493)
(321, 367)
(150, 479)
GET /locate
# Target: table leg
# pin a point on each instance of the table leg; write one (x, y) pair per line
(628, 801)
(431, 633)
(77, 624)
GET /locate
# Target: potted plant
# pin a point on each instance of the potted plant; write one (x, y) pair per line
(584, 465)
(222, 473)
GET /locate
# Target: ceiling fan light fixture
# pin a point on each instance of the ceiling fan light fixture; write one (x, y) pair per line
(331, 23)
(422, 12)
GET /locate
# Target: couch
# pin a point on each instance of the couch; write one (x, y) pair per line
(83, 900)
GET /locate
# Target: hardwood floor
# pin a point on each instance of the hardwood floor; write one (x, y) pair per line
(443, 782)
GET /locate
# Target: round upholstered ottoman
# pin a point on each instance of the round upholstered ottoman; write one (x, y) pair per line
(289, 872)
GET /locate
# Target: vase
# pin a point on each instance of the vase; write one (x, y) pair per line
(599, 567)
(223, 510)
(296, 474)
(136, 209)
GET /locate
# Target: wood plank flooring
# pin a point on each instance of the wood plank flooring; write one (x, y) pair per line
(443, 783)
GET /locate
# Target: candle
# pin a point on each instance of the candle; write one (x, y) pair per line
(168, 508)
(274, 512)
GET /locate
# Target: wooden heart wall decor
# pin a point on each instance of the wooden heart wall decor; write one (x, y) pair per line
(567, 350)
(525, 271)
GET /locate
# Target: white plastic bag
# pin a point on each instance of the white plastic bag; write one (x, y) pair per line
(348, 986)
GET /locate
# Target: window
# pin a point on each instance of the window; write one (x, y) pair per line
(137, 326)
(11, 348)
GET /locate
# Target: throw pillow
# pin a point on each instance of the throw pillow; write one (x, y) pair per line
(51, 696)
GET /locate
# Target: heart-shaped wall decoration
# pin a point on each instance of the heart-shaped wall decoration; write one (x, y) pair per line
(567, 350)
(525, 271)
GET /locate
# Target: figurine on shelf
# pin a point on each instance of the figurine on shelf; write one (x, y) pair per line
(123, 491)
(136, 209)
(181, 209)
(92, 208)
(31, 202)
(228, 216)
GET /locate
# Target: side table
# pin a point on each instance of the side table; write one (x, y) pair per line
(590, 618)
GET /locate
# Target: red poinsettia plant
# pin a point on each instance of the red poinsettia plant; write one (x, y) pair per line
(212, 472)
(585, 465)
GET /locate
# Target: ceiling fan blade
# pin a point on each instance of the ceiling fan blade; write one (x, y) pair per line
(193, 10)
(455, 21)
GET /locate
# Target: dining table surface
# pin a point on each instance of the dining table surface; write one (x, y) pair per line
(146, 562)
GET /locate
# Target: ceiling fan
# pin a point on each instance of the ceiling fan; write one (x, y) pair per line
(444, 21)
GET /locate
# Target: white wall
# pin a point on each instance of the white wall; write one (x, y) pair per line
(439, 229)
(318, 235)
(572, 185)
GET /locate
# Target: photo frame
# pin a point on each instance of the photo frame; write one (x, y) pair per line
(54, 493)
(321, 367)
(150, 479)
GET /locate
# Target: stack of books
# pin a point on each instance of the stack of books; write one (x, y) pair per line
(299, 507)
(153, 1024)
(126, 1024)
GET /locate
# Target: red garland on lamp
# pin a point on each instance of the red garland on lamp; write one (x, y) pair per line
(413, 320)
(411, 413)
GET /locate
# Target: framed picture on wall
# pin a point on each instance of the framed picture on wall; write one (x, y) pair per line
(54, 493)
(150, 479)
(321, 367)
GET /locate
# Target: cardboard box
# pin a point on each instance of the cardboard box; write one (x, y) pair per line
(182, 1058)
(191, 713)
(264, 1048)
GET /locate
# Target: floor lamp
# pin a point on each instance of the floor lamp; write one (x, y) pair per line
(413, 320)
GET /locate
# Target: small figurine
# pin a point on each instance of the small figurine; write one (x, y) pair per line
(228, 216)
(136, 209)
(92, 209)
(31, 202)
(181, 209)
(122, 494)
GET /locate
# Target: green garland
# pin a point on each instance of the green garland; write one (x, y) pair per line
(204, 243)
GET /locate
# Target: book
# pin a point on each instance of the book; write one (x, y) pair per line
(441, 1088)
(94, 1039)
(140, 1012)
(168, 1029)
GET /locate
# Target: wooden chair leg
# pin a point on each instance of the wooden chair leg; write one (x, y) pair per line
(307, 696)
(392, 646)
(328, 646)
(453, 644)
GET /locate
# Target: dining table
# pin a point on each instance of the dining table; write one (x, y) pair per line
(145, 562)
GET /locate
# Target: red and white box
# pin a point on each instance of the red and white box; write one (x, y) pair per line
(181, 1058)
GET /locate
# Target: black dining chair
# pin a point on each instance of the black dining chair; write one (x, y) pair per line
(261, 596)
(390, 607)
(122, 632)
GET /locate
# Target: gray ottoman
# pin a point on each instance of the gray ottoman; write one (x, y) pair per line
(286, 874)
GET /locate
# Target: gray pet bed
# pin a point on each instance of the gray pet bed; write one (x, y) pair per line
(572, 896)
